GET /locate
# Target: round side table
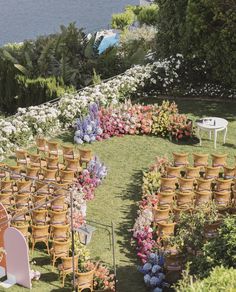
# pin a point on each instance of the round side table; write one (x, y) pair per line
(212, 124)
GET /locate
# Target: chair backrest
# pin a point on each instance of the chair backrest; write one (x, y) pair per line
(22, 200)
(67, 176)
(24, 186)
(192, 172)
(58, 203)
(85, 280)
(229, 172)
(222, 198)
(185, 184)
(35, 160)
(39, 200)
(58, 218)
(49, 174)
(39, 217)
(32, 172)
(6, 186)
(16, 169)
(73, 164)
(52, 162)
(6, 199)
(223, 185)
(67, 263)
(21, 156)
(85, 154)
(168, 184)
(211, 172)
(68, 151)
(180, 159)
(200, 159)
(41, 187)
(173, 171)
(40, 142)
(40, 232)
(61, 248)
(23, 228)
(60, 189)
(53, 147)
(165, 229)
(60, 232)
(166, 198)
(202, 198)
(161, 214)
(184, 198)
(204, 184)
(219, 160)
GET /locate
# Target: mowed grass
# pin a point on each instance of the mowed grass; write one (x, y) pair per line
(116, 199)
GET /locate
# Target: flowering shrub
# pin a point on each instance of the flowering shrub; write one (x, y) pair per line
(88, 128)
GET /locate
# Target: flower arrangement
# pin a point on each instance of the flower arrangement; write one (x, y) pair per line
(104, 279)
(35, 275)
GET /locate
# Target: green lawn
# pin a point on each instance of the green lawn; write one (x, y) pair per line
(116, 198)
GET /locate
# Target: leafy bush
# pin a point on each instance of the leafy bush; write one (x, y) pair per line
(122, 20)
(148, 15)
(220, 279)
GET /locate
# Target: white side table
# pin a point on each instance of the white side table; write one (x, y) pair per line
(210, 124)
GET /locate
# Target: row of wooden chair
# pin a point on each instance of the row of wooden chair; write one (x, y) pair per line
(200, 159)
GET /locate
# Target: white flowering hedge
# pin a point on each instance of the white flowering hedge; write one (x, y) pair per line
(49, 119)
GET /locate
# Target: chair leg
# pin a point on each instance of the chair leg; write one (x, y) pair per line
(47, 247)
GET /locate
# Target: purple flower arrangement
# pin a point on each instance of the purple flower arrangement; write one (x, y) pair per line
(88, 128)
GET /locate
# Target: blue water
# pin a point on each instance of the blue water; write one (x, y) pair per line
(26, 19)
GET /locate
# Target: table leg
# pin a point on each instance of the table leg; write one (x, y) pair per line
(225, 133)
(215, 138)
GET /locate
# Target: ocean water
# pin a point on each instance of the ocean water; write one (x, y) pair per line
(26, 19)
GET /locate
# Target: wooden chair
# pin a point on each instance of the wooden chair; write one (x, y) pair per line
(39, 217)
(68, 152)
(24, 186)
(21, 157)
(20, 216)
(35, 160)
(41, 145)
(204, 185)
(160, 214)
(192, 172)
(211, 230)
(24, 229)
(52, 162)
(85, 281)
(58, 203)
(52, 148)
(67, 176)
(229, 172)
(2, 171)
(7, 200)
(180, 159)
(60, 249)
(185, 184)
(219, 160)
(200, 159)
(60, 189)
(22, 200)
(85, 156)
(185, 198)
(6, 186)
(73, 165)
(212, 172)
(166, 198)
(223, 185)
(40, 234)
(50, 175)
(222, 199)
(16, 171)
(202, 198)
(41, 188)
(40, 200)
(32, 173)
(60, 232)
(173, 171)
(168, 184)
(58, 218)
(165, 230)
(177, 211)
(173, 263)
(66, 267)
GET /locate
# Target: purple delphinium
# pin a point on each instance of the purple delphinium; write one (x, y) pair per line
(88, 128)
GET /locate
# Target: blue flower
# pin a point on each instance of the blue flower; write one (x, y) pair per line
(146, 279)
(147, 267)
(155, 269)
